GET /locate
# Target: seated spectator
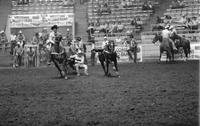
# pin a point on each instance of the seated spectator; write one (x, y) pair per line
(118, 40)
(104, 27)
(128, 3)
(134, 22)
(192, 24)
(120, 27)
(159, 20)
(147, 5)
(90, 29)
(177, 4)
(36, 39)
(123, 3)
(105, 8)
(113, 28)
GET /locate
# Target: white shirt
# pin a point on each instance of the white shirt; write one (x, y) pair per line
(165, 33)
(104, 43)
(78, 59)
(13, 37)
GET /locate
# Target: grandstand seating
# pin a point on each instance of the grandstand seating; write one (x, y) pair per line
(118, 14)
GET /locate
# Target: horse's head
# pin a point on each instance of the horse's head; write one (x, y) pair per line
(111, 46)
(157, 37)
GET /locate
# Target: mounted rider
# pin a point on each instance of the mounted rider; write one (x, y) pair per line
(54, 42)
(166, 36)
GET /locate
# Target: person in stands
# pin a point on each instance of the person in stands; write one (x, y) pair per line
(36, 39)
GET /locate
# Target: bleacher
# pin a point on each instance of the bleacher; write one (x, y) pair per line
(118, 14)
(192, 9)
(41, 7)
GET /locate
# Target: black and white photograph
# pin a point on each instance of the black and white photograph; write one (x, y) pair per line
(99, 62)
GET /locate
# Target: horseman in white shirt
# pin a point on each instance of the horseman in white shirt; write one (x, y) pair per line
(105, 43)
(51, 41)
(166, 36)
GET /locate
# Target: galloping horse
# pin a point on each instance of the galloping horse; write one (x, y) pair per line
(60, 58)
(165, 45)
(181, 43)
(108, 56)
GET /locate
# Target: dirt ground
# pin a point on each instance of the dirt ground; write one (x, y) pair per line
(147, 94)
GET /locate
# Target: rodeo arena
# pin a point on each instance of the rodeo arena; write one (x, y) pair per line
(99, 62)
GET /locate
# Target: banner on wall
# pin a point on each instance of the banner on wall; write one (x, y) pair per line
(195, 51)
(41, 20)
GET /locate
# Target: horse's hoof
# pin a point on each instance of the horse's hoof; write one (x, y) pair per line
(66, 78)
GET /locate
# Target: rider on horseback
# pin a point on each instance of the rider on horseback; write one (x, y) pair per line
(54, 41)
(166, 36)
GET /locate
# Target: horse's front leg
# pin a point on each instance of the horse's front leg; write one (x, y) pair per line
(116, 67)
(107, 67)
(103, 66)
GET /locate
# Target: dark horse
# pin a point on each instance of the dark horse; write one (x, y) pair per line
(181, 42)
(60, 58)
(165, 45)
(107, 56)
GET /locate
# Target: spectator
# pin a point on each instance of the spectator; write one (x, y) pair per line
(21, 38)
(3, 40)
(159, 20)
(69, 36)
(120, 27)
(36, 39)
(31, 57)
(177, 4)
(13, 42)
(18, 52)
(118, 40)
(44, 36)
(90, 29)
(113, 28)
(134, 22)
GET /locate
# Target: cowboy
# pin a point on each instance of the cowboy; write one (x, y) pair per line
(132, 48)
(79, 62)
(18, 52)
(51, 42)
(13, 42)
(3, 39)
(31, 57)
(105, 43)
(166, 36)
(21, 38)
(173, 32)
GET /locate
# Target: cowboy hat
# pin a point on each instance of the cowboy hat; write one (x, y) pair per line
(2, 32)
(54, 27)
(20, 32)
(80, 52)
(171, 27)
